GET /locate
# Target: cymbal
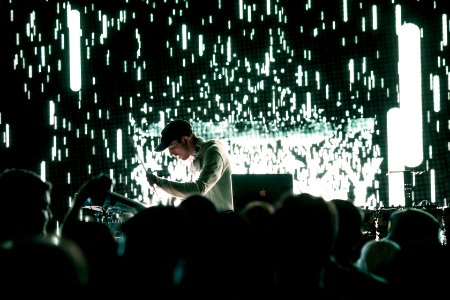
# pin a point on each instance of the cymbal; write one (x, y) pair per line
(93, 208)
(115, 197)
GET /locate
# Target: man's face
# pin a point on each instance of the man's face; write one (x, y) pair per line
(179, 150)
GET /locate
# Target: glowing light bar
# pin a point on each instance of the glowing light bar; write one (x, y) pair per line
(410, 86)
(396, 154)
(73, 18)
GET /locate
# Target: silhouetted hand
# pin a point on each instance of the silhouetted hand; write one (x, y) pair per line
(151, 178)
(96, 188)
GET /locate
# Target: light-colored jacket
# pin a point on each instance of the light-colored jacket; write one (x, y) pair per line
(212, 165)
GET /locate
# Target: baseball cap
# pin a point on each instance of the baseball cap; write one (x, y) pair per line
(174, 130)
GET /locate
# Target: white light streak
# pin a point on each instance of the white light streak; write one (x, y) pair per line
(119, 144)
(410, 88)
(374, 17)
(184, 36)
(51, 113)
(432, 186)
(344, 10)
(73, 18)
(436, 94)
(396, 151)
(43, 172)
(444, 30)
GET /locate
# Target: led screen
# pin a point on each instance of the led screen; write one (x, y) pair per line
(350, 97)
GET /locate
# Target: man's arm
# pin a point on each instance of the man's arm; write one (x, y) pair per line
(210, 173)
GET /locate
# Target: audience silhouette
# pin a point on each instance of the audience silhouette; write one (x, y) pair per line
(25, 200)
(199, 280)
(40, 268)
(301, 246)
(304, 231)
(153, 252)
(341, 275)
(100, 250)
(376, 257)
(417, 268)
(259, 216)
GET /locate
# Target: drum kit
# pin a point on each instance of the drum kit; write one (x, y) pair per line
(376, 221)
(115, 211)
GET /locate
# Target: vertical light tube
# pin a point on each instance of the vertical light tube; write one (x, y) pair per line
(119, 144)
(200, 45)
(308, 105)
(436, 94)
(7, 143)
(268, 7)
(344, 11)
(396, 168)
(43, 172)
(410, 88)
(73, 18)
(433, 186)
(444, 30)
(229, 49)
(241, 9)
(184, 36)
(374, 17)
(351, 69)
(51, 113)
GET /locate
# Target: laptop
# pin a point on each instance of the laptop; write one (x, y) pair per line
(262, 187)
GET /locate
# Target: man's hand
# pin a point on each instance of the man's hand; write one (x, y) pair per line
(151, 178)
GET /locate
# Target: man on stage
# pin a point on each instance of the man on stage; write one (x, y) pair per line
(210, 161)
